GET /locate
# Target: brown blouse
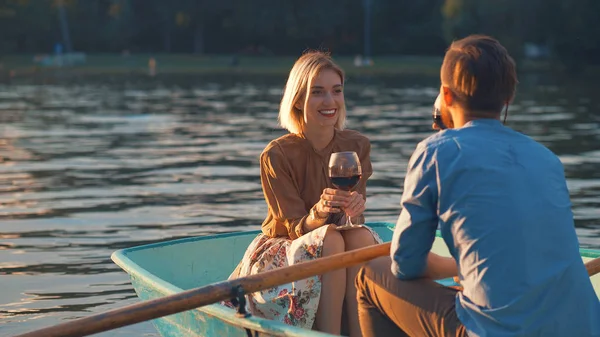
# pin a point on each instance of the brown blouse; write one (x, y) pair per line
(294, 174)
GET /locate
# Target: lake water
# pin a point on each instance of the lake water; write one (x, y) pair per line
(91, 166)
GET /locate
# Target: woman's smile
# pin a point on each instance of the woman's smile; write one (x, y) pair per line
(329, 113)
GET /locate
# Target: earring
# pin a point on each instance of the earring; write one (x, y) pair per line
(505, 113)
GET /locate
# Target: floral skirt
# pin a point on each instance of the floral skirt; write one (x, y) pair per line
(294, 303)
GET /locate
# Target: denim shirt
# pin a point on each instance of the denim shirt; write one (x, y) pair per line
(502, 205)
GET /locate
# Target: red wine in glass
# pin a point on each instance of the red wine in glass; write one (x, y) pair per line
(345, 172)
(345, 183)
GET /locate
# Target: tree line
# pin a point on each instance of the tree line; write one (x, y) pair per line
(566, 30)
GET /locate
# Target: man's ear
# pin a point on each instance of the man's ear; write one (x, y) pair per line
(448, 96)
(510, 100)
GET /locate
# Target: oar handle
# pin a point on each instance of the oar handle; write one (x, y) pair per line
(191, 299)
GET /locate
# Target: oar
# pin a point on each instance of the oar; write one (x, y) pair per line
(216, 292)
(593, 267)
(210, 294)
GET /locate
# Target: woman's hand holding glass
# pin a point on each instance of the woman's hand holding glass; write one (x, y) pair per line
(335, 201)
(355, 205)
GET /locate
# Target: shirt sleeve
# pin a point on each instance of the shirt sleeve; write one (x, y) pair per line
(282, 195)
(416, 226)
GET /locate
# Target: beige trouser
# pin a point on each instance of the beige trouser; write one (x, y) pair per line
(388, 306)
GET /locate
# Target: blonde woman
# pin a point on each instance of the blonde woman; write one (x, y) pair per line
(303, 207)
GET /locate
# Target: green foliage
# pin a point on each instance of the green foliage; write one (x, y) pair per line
(568, 28)
(286, 27)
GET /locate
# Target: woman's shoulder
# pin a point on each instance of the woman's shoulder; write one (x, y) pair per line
(348, 136)
(282, 145)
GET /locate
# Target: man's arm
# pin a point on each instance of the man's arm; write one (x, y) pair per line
(416, 227)
(440, 267)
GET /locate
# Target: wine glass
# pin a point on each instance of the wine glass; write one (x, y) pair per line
(345, 172)
(437, 114)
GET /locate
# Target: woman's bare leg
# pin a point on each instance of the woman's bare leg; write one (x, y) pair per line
(329, 312)
(354, 239)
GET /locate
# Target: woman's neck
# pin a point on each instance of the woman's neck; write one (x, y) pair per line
(319, 138)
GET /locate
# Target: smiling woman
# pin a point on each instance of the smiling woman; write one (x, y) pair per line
(304, 209)
(324, 106)
(313, 78)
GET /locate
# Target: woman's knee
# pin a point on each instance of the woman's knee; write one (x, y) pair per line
(333, 242)
(356, 238)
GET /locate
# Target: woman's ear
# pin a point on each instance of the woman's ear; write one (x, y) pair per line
(298, 105)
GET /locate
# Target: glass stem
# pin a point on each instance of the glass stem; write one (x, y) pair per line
(348, 221)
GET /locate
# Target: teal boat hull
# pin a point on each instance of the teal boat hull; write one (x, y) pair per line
(165, 268)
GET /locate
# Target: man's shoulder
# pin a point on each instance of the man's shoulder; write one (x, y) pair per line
(533, 147)
(444, 139)
(452, 140)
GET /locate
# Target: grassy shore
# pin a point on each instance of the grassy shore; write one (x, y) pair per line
(178, 63)
(17, 66)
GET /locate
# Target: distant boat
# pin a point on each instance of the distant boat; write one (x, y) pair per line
(170, 267)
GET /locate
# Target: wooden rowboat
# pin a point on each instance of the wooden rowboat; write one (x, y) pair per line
(166, 268)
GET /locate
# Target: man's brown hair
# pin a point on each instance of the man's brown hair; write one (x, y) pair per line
(480, 72)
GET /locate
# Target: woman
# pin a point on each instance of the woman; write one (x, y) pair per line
(304, 209)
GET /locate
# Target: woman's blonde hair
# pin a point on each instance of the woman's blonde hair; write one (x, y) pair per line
(307, 67)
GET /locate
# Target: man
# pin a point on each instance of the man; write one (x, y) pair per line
(501, 203)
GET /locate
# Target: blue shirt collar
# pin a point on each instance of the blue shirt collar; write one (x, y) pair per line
(484, 121)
